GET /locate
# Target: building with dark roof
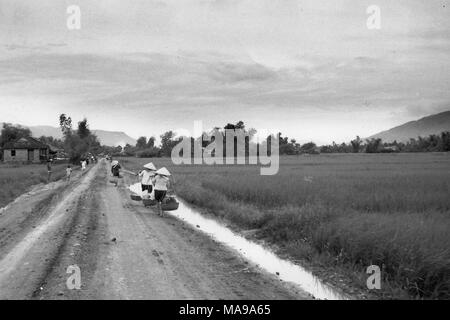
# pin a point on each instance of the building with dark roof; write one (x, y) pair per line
(26, 149)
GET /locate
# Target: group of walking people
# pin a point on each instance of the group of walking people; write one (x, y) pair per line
(153, 180)
(157, 181)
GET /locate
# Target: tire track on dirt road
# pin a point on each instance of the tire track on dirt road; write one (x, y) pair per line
(26, 263)
(23, 214)
(84, 246)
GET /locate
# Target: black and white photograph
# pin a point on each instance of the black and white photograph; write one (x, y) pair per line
(224, 150)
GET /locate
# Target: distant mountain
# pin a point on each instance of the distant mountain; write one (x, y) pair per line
(107, 138)
(433, 124)
(114, 138)
(48, 131)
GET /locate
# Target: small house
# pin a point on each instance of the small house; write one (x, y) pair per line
(26, 149)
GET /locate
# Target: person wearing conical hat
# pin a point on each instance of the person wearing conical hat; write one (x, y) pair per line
(115, 170)
(161, 183)
(147, 176)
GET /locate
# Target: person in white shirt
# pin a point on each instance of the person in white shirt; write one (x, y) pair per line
(147, 176)
(68, 172)
(161, 182)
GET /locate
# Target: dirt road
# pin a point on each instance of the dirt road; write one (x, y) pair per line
(124, 251)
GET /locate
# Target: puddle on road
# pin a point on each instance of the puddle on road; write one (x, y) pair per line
(259, 255)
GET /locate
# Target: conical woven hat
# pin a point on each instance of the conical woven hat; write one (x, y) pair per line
(150, 166)
(163, 172)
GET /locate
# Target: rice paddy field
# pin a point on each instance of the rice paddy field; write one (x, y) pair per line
(339, 212)
(16, 179)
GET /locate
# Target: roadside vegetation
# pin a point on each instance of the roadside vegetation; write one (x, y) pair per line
(345, 212)
(16, 179)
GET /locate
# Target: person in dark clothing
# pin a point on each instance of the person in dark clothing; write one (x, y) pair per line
(115, 169)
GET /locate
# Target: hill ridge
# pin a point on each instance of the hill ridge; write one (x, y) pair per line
(432, 124)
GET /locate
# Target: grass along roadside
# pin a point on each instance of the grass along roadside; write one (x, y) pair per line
(18, 179)
(341, 212)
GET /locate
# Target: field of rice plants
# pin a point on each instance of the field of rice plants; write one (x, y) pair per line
(342, 212)
(16, 179)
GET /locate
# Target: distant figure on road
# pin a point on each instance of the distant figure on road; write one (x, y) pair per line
(147, 176)
(115, 170)
(68, 172)
(83, 165)
(161, 182)
(49, 170)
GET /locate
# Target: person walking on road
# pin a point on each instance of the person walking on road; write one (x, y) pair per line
(115, 170)
(68, 172)
(161, 183)
(147, 176)
(49, 170)
(83, 165)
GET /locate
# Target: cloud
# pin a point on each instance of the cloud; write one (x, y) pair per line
(239, 72)
(267, 61)
(187, 81)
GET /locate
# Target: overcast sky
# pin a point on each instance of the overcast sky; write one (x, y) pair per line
(310, 69)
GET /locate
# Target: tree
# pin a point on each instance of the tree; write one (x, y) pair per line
(445, 138)
(141, 143)
(309, 147)
(168, 143)
(240, 125)
(230, 126)
(78, 145)
(151, 142)
(288, 146)
(129, 150)
(83, 129)
(65, 123)
(11, 133)
(356, 144)
(373, 145)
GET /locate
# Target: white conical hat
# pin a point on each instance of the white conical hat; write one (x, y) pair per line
(150, 166)
(163, 172)
(114, 163)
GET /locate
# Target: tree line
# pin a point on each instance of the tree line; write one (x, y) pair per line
(433, 143)
(78, 143)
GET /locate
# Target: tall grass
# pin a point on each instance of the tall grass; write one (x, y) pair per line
(17, 179)
(350, 211)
